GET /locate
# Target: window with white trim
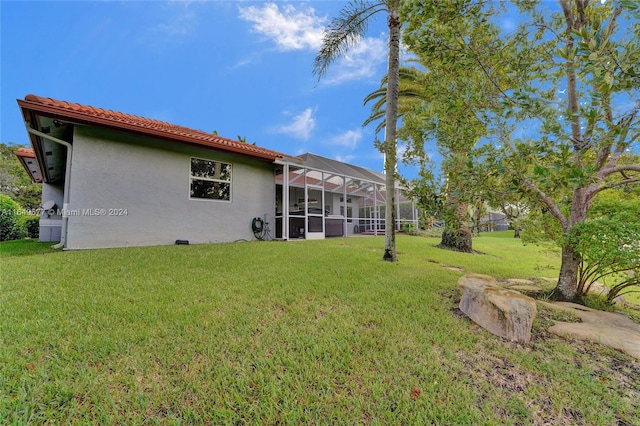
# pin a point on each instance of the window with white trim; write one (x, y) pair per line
(210, 180)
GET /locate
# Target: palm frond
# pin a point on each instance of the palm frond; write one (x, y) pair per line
(377, 94)
(377, 115)
(413, 89)
(343, 32)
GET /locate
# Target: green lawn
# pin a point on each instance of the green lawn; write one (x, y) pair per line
(305, 332)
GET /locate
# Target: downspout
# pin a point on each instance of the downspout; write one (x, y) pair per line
(67, 181)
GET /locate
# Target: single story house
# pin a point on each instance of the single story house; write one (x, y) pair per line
(494, 221)
(111, 179)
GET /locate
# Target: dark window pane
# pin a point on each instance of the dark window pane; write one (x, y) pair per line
(210, 169)
(202, 168)
(225, 171)
(210, 190)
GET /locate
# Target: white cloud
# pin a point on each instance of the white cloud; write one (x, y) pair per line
(401, 149)
(362, 61)
(348, 139)
(301, 126)
(241, 63)
(288, 27)
(292, 28)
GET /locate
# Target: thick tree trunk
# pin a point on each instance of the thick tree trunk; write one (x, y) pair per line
(567, 287)
(390, 137)
(457, 239)
(456, 235)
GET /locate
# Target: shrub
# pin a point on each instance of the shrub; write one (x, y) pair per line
(610, 247)
(432, 232)
(32, 226)
(11, 223)
(409, 228)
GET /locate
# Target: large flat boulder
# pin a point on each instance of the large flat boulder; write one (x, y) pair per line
(602, 290)
(503, 312)
(611, 329)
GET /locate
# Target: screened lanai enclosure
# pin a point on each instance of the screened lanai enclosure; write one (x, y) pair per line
(318, 198)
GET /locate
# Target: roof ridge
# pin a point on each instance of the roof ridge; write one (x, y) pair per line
(55, 102)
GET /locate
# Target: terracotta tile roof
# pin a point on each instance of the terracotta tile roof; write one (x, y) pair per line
(27, 158)
(99, 117)
(25, 152)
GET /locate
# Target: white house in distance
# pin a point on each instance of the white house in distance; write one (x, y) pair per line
(117, 180)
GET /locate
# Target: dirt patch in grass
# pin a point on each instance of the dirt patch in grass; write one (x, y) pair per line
(501, 378)
(499, 369)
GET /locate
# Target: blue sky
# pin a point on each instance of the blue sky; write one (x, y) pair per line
(242, 68)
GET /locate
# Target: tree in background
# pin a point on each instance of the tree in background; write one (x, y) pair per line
(579, 98)
(344, 32)
(443, 99)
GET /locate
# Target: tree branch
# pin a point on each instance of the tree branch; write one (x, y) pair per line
(572, 93)
(612, 22)
(625, 123)
(613, 185)
(624, 168)
(547, 201)
(485, 71)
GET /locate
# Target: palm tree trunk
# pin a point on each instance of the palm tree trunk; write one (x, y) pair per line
(390, 136)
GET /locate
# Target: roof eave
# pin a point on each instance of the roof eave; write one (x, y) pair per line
(24, 155)
(84, 119)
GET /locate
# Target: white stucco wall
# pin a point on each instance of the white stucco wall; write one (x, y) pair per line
(50, 220)
(131, 191)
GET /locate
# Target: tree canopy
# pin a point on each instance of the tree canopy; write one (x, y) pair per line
(544, 111)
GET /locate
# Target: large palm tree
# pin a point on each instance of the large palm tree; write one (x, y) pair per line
(344, 32)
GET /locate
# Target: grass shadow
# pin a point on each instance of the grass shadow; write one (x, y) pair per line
(24, 247)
